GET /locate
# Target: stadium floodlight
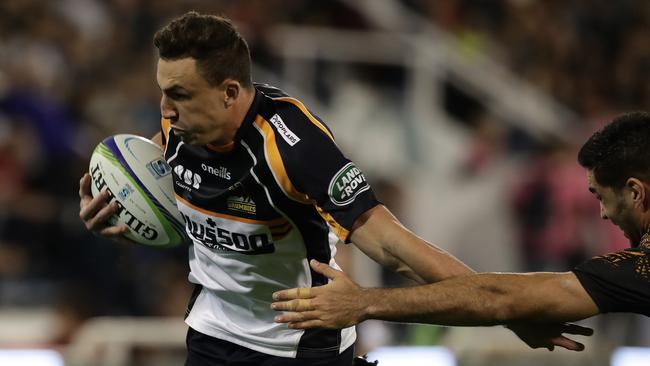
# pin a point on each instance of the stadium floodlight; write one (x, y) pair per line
(31, 357)
(630, 356)
(413, 356)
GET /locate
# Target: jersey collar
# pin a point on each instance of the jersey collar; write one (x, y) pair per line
(250, 117)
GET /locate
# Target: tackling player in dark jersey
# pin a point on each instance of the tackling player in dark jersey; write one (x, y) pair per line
(617, 160)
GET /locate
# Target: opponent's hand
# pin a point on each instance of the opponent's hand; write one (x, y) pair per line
(339, 304)
(95, 212)
(539, 335)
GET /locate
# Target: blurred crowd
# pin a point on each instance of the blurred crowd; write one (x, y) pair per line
(591, 55)
(75, 71)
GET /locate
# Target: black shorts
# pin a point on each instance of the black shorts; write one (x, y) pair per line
(203, 350)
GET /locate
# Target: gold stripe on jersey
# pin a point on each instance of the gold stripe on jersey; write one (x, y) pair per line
(339, 230)
(280, 228)
(306, 112)
(280, 173)
(270, 223)
(280, 231)
(275, 161)
(165, 125)
(278, 235)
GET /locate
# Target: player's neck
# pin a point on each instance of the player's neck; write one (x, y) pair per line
(244, 105)
(240, 109)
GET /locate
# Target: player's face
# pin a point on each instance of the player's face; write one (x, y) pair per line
(615, 207)
(195, 108)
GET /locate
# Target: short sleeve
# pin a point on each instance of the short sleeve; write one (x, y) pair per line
(317, 168)
(618, 282)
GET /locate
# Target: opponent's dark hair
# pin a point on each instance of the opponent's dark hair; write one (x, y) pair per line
(218, 48)
(619, 151)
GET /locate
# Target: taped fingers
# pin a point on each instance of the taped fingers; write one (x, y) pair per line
(293, 305)
(294, 293)
(297, 317)
(303, 293)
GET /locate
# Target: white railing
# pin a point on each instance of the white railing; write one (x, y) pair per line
(430, 58)
(111, 341)
(504, 93)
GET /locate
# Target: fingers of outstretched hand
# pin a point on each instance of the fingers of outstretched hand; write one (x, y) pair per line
(564, 342)
(293, 317)
(577, 329)
(324, 269)
(307, 324)
(293, 305)
(293, 293)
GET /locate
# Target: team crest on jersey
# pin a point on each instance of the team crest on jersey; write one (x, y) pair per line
(187, 179)
(346, 184)
(242, 204)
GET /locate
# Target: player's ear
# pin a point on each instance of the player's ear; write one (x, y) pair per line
(232, 89)
(638, 192)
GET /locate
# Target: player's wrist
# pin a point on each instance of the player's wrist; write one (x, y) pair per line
(370, 306)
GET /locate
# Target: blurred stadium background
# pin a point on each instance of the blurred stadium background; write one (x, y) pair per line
(465, 114)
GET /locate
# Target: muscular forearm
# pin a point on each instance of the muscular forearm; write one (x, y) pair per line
(483, 299)
(426, 263)
(383, 238)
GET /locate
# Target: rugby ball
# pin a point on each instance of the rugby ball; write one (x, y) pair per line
(139, 179)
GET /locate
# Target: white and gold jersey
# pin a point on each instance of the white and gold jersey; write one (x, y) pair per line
(256, 213)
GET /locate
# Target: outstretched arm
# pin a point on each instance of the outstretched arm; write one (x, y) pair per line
(481, 299)
(486, 299)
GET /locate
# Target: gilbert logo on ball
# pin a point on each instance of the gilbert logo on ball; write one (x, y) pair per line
(139, 180)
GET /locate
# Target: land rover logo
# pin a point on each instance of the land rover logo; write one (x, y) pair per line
(347, 184)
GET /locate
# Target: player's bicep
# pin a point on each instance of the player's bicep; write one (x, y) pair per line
(558, 297)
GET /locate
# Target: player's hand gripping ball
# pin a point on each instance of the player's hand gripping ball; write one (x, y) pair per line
(139, 180)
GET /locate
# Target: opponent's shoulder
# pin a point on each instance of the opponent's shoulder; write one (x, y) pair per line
(618, 281)
(629, 268)
(628, 257)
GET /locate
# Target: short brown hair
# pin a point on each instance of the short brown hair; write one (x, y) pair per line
(620, 150)
(218, 48)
